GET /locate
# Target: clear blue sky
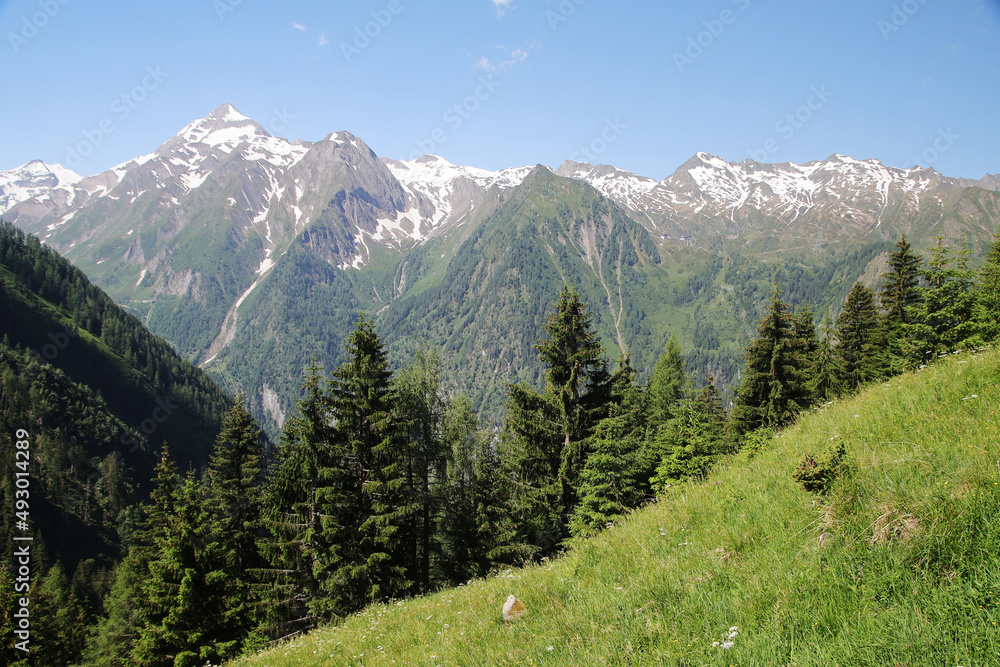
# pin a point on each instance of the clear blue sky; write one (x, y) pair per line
(886, 78)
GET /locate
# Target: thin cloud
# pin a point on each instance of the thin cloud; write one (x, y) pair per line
(299, 26)
(509, 59)
(322, 41)
(500, 5)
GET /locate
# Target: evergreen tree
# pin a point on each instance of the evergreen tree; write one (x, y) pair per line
(610, 484)
(668, 385)
(900, 294)
(235, 484)
(690, 443)
(860, 335)
(113, 637)
(948, 319)
(773, 388)
(59, 628)
(828, 367)
(153, 645)
(807, 343)
(422, 406)
(549, 434)
(988, 302)
(362, 401)
(312, 511)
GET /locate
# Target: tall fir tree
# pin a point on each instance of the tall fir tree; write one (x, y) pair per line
(549, 434)
(610, 481)
(234, 494)
(422, 407)
(807, 343)
(311, 511)
(948, 319)
(668, 385)
(828, 367)
(362, 399)
(773, 388)
(861, 339)
(900, 294)
(988, 302)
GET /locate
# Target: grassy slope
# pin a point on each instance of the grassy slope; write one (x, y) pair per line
(899, 565)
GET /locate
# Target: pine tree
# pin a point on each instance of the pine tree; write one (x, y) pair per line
(773, 388)
(362, 401)
(948, 320)
(548, 434)
(900, 294)
(861, 337)
(312, 511)
(235, 485)
(422, 406)
(609, 482)
(668, 385)
(828, 367)
(988, 302)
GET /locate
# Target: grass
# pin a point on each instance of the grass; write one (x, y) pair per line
(898, 565)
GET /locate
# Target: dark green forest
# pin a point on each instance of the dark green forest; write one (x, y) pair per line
(386, 483)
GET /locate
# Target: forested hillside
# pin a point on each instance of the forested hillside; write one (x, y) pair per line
(98, 397)
(385, 484)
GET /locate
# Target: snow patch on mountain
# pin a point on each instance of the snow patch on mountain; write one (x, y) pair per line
(35, 179)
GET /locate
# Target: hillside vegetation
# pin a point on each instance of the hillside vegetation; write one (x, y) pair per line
(898, 564)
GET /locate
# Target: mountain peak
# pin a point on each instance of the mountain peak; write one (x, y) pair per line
(228, 113)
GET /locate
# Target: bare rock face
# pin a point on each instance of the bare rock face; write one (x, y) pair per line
(513, 609)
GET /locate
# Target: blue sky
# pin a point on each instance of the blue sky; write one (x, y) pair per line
(641, 85)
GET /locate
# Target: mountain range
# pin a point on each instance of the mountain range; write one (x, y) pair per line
(251, 253)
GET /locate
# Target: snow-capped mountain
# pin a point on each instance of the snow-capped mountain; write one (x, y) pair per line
(452, 191)
(224, 231)
(34, 179)
(731, 197)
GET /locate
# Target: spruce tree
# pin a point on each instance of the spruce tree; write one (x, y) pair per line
(312, 511)
(828, 367)
(988, 302)
(861, 338)
(362, 401)
(948, 320)
(900, 294)
(668, 385)
(690, 444)
(548, 434)
(422, 406)
(234, 495)
(773, 388)
(609, 482)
